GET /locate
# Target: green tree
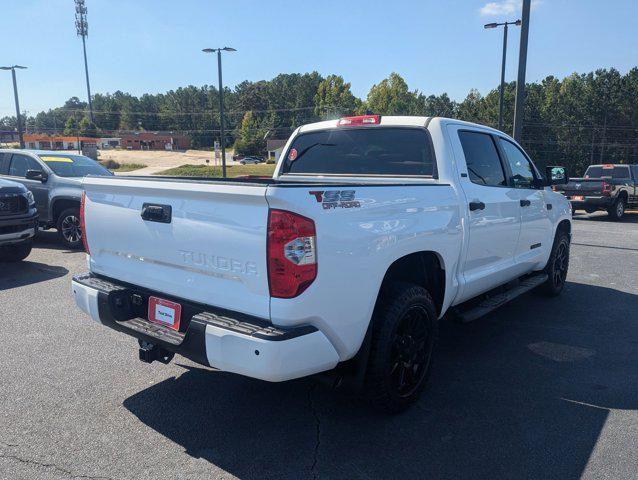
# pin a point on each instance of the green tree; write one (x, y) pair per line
(392, 97)
(250, 137)
(87, 128)
(71, 126)
(334, 98)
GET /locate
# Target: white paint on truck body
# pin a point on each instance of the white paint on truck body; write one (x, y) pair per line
(214, 251)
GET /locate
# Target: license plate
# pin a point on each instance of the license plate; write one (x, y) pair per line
(578, 198)
(164, 312)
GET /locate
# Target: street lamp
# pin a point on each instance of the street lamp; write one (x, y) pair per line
(221, 99)
(82, 29)
(502, 91)
(15, 96)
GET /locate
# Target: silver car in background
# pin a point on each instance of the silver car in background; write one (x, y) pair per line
(55, 180)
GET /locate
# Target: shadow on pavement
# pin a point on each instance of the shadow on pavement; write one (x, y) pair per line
(522, 393)
(23, 273)
(630, 217)
(50, 239)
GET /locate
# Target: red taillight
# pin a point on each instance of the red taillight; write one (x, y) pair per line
(292, 253)
(606, 189)
(82, 224)
(361, 120)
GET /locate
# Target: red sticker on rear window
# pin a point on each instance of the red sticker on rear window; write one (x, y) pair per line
(292, 154)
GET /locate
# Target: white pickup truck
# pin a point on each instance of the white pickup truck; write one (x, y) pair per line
(369, 231)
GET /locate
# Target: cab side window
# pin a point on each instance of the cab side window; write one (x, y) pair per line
(481, 157)
(20, 164)
(523, 175)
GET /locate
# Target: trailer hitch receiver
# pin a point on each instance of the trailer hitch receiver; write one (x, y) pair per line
(149, 352)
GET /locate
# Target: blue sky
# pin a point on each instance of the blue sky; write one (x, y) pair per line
(437, 45)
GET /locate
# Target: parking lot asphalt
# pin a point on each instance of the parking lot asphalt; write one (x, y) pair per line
(541, 388)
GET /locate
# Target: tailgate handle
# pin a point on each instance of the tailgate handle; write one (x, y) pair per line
(156, 213)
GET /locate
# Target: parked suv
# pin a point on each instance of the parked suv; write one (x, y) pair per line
(55, 180)
(18, 221)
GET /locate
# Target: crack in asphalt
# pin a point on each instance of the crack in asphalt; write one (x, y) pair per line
(315, 456)
(70, 474)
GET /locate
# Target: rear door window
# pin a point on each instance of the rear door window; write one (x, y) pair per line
(481, 157)
(362, 151)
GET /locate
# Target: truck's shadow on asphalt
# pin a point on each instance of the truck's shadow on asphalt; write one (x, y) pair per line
(522, 393)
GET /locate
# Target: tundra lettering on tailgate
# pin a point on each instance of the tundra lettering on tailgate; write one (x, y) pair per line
(336, 198)
(217, 262)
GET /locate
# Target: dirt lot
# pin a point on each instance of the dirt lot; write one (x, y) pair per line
(156, 161)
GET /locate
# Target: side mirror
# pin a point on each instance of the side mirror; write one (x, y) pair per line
(556, 175)
(36, 175)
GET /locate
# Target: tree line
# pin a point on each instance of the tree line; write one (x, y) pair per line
(575, 121)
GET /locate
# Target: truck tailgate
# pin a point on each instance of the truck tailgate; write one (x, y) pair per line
(583, 186)
(212, 250)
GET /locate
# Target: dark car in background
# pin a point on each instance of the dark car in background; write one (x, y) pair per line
(54, 178)
(610, 187)
(18, 221)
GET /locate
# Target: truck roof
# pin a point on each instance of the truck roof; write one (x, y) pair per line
(396, 121)
(613, 165)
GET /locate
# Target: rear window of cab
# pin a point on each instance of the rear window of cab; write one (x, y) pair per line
(387, 151)
(599, 171)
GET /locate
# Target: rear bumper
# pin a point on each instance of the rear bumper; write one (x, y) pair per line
(18, 229)
(597, 202)
(228, 341)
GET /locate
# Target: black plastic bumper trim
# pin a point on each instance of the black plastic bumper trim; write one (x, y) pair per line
(190, 341)
(22, 219)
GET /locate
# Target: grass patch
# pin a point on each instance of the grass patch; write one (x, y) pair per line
(129, 167)
(121, 167)
(216, 171)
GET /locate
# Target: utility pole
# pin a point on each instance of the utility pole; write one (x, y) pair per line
(82, 29)
(522, 66)
(221, 100)
(17, 102)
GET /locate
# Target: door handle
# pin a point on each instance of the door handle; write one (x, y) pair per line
(477, 206)
(156, 213)
(525, 203)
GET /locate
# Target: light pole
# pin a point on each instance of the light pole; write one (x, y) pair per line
(502, 88)
(522, 66)
(82, 29)
(17, 102)
(221, 100)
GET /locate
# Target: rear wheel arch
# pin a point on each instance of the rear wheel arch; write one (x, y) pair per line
(564, 226)
(425, 269)
(59, 205)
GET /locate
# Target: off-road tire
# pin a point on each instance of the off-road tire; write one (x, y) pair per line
(396, 348)
(557, 266)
